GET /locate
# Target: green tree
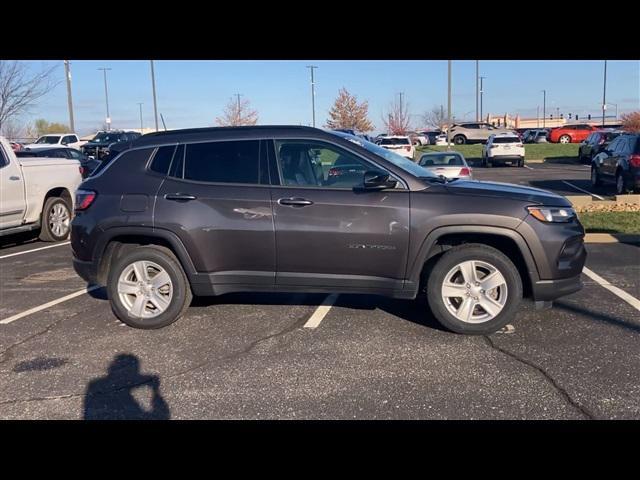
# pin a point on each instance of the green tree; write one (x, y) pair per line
(43, 127)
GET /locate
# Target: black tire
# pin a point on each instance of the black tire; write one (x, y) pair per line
(621, 187)
(478, 252)
(596, 181)
(459, 140)
(521, 162)
(47, 233)
(489, 163)
(180, 300)
(564, 136)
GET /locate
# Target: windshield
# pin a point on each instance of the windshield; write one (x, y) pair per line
(49, 139)
(105, 137)
(398, 160)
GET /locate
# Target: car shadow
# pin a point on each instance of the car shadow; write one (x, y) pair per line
(597, 316)
(113, 397)
(17, 239)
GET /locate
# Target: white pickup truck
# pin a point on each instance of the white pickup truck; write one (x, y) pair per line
(37, 193)
(69, 140)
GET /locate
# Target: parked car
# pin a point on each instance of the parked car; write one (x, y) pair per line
(474, 132)
(418, 139)
(99, 146)
(441, 139)
(570, 133)
(37, 194)
(449, 164)
(87, 165)
(400, 144)
(69, 140)
(595, 143)
(15, 146)
(503, 148)
(218, 210)
(535, 136)
(431, 136)
(618, 164)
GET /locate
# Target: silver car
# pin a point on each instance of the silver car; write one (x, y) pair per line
(474, 132)
(448, 164)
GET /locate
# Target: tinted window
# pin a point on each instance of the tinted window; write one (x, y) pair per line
(60, 153)
(3, 160)
(49, 139)
(129, 156)
(177, 166)
(75, 154)
(162, 159)
(395, 141)
(315, 164)
(223, 162)
(506, 140)
(441, 159)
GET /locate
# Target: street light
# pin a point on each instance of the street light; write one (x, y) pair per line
(481, 92)
(141, 127)
(106, 96)
(544, 108)
(153, 87)
(313, 95)
(604, 93)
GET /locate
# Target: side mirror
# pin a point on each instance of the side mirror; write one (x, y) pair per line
(376, 180)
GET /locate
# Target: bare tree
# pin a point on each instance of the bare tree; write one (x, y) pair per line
(397, 120)
(12, 130)
(435, 118)
(348, 113)
(20, 89)
(631, 122)
(237, 113)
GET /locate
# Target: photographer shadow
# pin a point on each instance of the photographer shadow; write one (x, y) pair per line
(112, 397)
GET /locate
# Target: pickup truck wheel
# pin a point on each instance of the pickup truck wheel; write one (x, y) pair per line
(56, 220)
(474, 289)
(147, 288)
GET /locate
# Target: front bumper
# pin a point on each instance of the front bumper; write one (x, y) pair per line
(547, 290)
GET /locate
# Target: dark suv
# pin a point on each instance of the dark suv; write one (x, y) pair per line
(296, 209)
(98, 147)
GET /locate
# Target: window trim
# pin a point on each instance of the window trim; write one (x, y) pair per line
(400, 181)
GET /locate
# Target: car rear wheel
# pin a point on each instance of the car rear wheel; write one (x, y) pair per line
(564, 139)
(459, 140)
(521, 162)
(147, 288)
(621, 188)
(56, 220)
(474, 289)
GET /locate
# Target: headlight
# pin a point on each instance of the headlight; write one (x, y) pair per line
(553, 214)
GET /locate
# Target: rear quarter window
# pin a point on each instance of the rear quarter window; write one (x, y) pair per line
(162, 160)
(125, 160)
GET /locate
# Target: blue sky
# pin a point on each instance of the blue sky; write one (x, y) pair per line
(194, 93)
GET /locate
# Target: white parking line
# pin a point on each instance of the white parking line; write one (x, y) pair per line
(321, 311)
(34, 250)
(44, 306)
(526, 166)
(634, 302)
(582, 190)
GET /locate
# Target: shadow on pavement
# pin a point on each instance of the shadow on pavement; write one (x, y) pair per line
(113, 397)
(17, 239)
(597, 316)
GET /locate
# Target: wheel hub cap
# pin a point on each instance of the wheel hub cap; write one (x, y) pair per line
(145, 289)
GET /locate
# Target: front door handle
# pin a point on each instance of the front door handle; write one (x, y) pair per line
(295, 202)
(14, 177)
(180, 197)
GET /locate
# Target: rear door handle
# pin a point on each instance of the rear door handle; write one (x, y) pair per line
(14, 177)
(180, 197)
(295, 202)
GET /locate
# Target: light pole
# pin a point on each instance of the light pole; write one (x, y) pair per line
(538, 116)
(313, 95)
(238, 95)
(449, 105)
(544, 108)
(153, 86)
(604, 93)
(477, 75)
(481, 92)
(106, 96)
(69, 99)
(141, 127)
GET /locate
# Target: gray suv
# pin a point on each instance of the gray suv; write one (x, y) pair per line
(474, 132)
(296, 209)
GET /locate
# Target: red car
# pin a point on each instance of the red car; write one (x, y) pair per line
(571, 133)
(16, 147)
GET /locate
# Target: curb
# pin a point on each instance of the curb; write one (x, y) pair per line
(612, 238)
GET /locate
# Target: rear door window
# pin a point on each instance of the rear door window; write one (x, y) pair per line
(223, 162)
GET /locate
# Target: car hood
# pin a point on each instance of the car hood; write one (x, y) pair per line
(507, 190)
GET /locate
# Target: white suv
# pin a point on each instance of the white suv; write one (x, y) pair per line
(398, 144)
(503, 147)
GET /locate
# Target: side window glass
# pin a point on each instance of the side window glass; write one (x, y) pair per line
(317, 164)
(177, 165)
(3, 159)
(223, 162)
(162, 160)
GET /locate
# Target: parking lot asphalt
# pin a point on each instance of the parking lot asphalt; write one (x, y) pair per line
(562, 178)
(250, 356)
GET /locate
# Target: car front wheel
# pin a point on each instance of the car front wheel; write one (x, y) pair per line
(459, 140)
(565, 139)
(147, 288)
(474, 289)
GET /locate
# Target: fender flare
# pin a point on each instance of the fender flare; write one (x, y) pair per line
(416, 268)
